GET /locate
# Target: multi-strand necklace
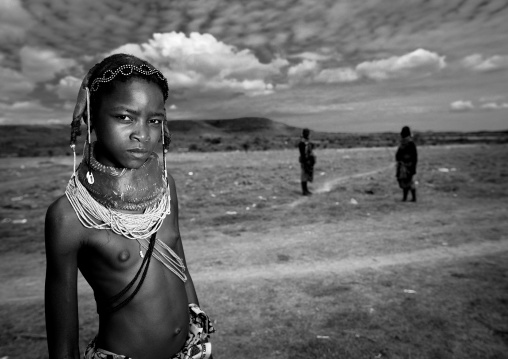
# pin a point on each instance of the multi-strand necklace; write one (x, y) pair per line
(172, 261)
(92, 214)
(108, 187)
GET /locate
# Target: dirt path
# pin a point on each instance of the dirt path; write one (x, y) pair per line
(298, 269)
(30, 181)
(331, 183)
(31, 288)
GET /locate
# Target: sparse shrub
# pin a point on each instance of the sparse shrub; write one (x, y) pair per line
(213, 140)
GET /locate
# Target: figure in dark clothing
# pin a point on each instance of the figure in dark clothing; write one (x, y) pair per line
(407, 158)
(307, 160)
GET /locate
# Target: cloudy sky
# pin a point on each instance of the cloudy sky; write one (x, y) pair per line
(334, 65)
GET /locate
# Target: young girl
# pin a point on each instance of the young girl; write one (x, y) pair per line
(118, 224)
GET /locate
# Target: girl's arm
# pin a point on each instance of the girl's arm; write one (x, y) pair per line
(189, 284)
(61, 301)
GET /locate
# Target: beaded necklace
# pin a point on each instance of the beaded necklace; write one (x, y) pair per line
(121, 188)
(139, 226)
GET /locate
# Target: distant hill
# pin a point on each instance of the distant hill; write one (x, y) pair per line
(233, 126)
(252, 125)
(244, 134)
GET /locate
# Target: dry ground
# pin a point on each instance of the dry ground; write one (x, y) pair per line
(291, 277)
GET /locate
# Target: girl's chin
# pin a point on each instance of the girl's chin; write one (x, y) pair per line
(131, 160)
(135, 163)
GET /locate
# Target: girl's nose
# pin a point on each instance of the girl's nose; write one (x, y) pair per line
(141, 133)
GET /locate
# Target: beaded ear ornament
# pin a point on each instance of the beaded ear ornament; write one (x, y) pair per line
(82, 106)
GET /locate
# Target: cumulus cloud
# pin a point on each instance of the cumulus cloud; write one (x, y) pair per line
(304, 72)
(14, 21)
(24, 105)
(370, 31)
(337, 75)
(304, 30)
(34, 105)
(494, 105)
(67, 88)
(202, 63)
(13, 84)
(29, 112)
(41, 65)
(312, 56)
(461, 105)
(478, 63)
(419, 62)
(249, 87)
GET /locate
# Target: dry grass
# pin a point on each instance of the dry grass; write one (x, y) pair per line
(257, 278)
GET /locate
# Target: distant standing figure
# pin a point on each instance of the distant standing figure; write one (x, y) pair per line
(307, 160)
(407, 158)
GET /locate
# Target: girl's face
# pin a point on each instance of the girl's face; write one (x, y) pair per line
(128, 123)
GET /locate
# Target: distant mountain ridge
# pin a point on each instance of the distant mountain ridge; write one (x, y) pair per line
(232, 126)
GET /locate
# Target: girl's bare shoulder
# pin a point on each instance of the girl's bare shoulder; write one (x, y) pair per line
(62, 221)
(61, 210)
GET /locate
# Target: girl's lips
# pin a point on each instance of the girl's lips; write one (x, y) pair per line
(138, 153)
(137, 150)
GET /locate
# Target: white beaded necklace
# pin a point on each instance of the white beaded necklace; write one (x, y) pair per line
(172, 262)
(138, 226)
(92, 214)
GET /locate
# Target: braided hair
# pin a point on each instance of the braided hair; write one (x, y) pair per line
(108, 66)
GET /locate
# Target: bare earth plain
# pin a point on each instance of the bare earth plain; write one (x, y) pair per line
(350, 272)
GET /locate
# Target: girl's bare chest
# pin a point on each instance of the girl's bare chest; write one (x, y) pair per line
(107, 250)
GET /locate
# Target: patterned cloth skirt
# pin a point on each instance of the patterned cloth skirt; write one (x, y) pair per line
(196, 346)
(307, 174)
(404, 176)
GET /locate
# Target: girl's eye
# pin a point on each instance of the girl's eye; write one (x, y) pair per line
(156, 121)
(123, 117)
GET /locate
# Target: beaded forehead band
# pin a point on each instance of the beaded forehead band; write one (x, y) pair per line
(126, 70)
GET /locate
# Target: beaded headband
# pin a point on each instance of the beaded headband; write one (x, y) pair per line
(126, 70)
